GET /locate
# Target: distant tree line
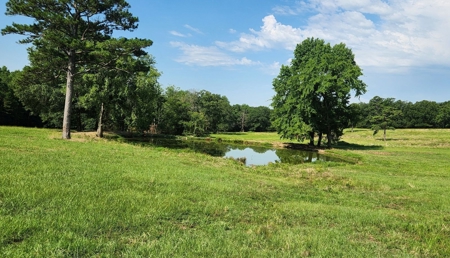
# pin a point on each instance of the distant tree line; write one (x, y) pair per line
(202, 112)
(421, 114)
(124, 101)
(137, 102)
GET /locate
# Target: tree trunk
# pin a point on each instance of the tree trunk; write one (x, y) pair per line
(311, 138)
(69, 93)
(320, 139)
(384, 136)
(100, 123)
(242, 121)
(329, 137)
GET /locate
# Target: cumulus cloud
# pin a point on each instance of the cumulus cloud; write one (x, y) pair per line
(384, 34)
(392, 35)
(207, 56)
(404, 33)
(271, 35)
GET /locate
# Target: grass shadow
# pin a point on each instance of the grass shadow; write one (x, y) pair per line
(302, 146)
(393, 139)
(343, 145)
(358, 130)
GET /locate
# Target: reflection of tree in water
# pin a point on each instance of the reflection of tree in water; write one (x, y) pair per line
(257, 149)
(237, 147)
(296, 156)
(220, 150)
(210, 148)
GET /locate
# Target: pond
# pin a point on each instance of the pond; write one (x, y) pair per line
(251, 155)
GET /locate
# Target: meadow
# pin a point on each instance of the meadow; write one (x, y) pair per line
(89, 197)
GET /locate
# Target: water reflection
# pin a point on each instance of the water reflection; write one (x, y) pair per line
(254, 155)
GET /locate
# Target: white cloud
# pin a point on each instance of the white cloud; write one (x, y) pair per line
(405, 33)
(232, 31)
(272, 69)
(208, 56)
(272, 34)
(193, 29)
(393, 34)
(178, 34)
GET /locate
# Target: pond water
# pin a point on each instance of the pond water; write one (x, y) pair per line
(254, 155)
(257, 156)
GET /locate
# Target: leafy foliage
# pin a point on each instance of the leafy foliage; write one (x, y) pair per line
(12, 112)
(421, 114)
(78, 37)
(383, 115)
(313, 92)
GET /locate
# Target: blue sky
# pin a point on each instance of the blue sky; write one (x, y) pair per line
(236, 47)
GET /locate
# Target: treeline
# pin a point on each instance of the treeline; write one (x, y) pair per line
(121, 101)
(400, 114)
(136, 102)
(202, 112)
(12, 112)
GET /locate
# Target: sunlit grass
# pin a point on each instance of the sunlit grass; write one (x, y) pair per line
(269, 138)
(90, 197)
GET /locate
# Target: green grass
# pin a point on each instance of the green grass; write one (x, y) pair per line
(251, 137)
(87, 197)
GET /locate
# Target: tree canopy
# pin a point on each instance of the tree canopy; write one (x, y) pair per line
(383, 114)
(77, 35)
(313, 92)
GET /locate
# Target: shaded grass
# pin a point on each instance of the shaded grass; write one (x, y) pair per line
(89, 197)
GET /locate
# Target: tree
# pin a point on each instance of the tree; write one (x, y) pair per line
(383, 114)
(355, 114)
(259, 119)
(313, 92)
(239, 118)
(124, 97)
(12, 112)
(174, 111)
(73, 32)
(443, 116)
(216, 109)
(423, 114)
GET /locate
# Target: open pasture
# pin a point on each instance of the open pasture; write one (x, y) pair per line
(88, 197)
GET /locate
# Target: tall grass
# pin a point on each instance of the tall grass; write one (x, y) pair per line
(89, 197)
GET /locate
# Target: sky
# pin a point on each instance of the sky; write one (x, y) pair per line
(235, 48)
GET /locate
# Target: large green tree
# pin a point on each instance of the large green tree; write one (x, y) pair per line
(73, 33)
(313, 92)
(125, 98)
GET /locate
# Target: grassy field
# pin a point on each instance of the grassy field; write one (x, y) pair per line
(87, 197)
(252, 137)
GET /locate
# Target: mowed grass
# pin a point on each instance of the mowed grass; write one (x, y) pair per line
(87, 197)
